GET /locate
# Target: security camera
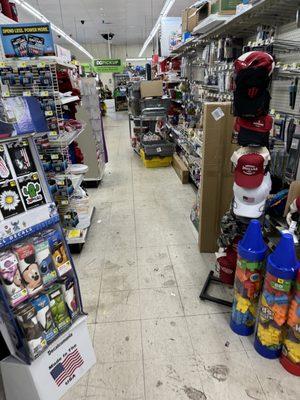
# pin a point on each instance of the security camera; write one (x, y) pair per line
(59, 36)
(82, 21)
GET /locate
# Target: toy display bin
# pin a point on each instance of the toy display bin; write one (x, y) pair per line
(272, 315)
(162, 149)
(252, 252)
(155, 161)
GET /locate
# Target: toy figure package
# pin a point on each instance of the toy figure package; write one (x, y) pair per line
(44, 317)
(44, 260)
(28, 267)
(68, 288)
(58, 308)
(33, 331)
(61, 259)
(11, 279)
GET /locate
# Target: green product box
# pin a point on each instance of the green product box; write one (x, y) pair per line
(58, 308)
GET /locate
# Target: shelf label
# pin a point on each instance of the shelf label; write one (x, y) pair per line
(217, 114)
(44, 93)
(48, 113)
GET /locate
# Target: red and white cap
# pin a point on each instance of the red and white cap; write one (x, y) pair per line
(262, 125)
(250, 203)
(255, 59)
(250, 164)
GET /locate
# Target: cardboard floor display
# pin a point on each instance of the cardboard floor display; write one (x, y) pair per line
(41, 315)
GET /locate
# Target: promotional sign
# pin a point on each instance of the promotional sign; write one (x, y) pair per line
(27, 40)
(88, 68)
(63, 54)
(55, 371)
(108, 66)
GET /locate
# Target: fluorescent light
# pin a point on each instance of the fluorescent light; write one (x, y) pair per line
(33, 11)
(138, 59)
(164, 12)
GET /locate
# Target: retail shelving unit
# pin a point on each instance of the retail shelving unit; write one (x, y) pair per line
(42, 317)
(54, 145)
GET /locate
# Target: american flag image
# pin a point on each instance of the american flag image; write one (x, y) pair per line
(67, 367)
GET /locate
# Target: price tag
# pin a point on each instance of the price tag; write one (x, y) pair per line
(273, 111)
(158, 150)
(41, 156)
(2, 64)
(54, 156)
(6, 93)
(64, 202)
(53, 134)
(49, 113)
(41, 65)
(60, 183)
(22, 64)
(44, 93)
(27, 93)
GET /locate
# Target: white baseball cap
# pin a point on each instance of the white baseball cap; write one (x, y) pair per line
(250, 203)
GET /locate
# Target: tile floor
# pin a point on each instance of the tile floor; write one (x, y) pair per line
(140, 275)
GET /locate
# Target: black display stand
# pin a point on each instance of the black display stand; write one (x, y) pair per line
(204, 292)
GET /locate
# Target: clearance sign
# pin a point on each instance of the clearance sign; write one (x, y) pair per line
(108, 66)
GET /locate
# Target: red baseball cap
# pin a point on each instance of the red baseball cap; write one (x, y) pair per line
(262, 125)
(255, 59)
(250, 164)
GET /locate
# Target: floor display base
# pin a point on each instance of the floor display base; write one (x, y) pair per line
(56, 370)
(204, 293)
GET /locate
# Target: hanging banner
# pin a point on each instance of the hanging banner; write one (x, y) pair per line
(87, 68)
(27, 40)
(108, 66)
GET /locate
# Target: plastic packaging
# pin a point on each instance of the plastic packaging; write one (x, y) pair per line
(273, 310)
(252, 252)
(290, 357)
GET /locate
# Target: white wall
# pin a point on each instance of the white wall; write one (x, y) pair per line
(122, 52)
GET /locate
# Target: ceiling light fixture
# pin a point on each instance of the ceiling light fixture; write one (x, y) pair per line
(138, 59)
(33, 11)
(164, 12)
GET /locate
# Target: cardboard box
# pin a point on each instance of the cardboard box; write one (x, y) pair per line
(294, 192)
(180, 169)
(227, 7)
(151, 89)
(215, 191)
(192, 16)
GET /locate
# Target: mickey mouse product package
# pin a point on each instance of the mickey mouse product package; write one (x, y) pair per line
(58, 308)
(11, 278)
(33, 331)
(68, 288)
(44, 260)
(28, 267)
(44, 317)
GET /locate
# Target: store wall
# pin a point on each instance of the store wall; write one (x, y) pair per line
(117, 51)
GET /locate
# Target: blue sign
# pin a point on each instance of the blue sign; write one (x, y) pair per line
(27, 40)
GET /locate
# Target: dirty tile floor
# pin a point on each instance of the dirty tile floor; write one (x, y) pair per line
(140, 275)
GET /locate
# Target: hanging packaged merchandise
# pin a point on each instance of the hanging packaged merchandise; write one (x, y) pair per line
(68, 289)
(21, 157)
(252, 252)
(31, 190)
(25, 76)
(250, 203)
(45, 77)
(10, 200)
(58, 308)
(60, 258)
(11, 279)
(44, 260)
(33, 331)
(8, 77)
(28, 267)
(272, 315)
(250, 166)
(290, 357)
(5, 173)
(254, 132)
(44, 317)
(251, 98)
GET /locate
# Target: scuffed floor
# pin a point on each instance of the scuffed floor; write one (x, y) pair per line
(141, 274)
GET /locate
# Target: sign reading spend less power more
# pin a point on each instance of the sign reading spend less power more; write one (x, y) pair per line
(108, 66)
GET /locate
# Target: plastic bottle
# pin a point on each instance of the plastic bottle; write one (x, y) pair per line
(252, 252)
(273, 310)
(290, 357)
